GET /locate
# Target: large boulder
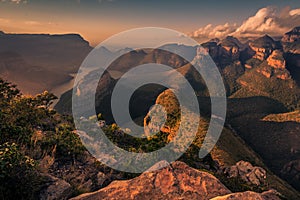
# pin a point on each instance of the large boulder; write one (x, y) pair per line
(176, 181)
(247, 172)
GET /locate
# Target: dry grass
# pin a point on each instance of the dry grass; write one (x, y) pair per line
(284, 117)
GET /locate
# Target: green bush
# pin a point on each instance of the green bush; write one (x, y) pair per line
(18, 176)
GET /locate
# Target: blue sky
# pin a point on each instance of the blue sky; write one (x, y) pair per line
(97, 20)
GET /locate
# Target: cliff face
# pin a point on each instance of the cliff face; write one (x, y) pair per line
(212, 48)
(292, 36)
(224, 52)
(276, 60)
(263, 47)
(276, 66)
(291, 42)
(60, 52)
(43, 61)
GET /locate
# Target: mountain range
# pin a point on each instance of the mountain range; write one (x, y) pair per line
(262, 80)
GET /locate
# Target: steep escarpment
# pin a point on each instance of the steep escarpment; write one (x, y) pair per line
(64, 52)
(47, 60)
(32, 79)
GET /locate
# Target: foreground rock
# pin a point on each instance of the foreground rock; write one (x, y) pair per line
(177, 181)
(271, 195)
(55, 189)
(247, 172)
(173, 182)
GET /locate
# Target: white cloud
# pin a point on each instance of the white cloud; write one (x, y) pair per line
(210, 31)
(269, 20)
(295, 12)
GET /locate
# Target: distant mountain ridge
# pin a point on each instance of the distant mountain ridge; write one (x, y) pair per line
(61, 55)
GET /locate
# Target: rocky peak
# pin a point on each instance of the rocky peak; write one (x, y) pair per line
(292, 36)
(230, 48)
(217, 40)
(264, 42)
(231, 41)
(263, 47)
(212, 48)
(225, 51)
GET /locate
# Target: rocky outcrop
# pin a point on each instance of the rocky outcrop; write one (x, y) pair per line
(230, 48)
(247, 172)
(212, 48)
(292, 36)
(269, 195)
(266, 71)
(85, 175)
(55, 189)
(224, 52)
(291, 44)
(276, 60)
(174, 181)
(263, 47)
(269, 72)
(177, 181)
(274, 66)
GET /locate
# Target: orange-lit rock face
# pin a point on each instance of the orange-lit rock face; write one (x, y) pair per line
(263, 47)
(283, 76)
(249, 195)
(248, 66)
(292, 36)
(177, 181)
(266, 72)
(276, 60)
(261, 53)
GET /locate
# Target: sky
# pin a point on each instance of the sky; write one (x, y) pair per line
(96, 20)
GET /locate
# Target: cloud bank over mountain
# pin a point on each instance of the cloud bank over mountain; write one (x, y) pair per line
(268, 20)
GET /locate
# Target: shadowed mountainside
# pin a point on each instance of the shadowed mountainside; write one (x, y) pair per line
(38, 62)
